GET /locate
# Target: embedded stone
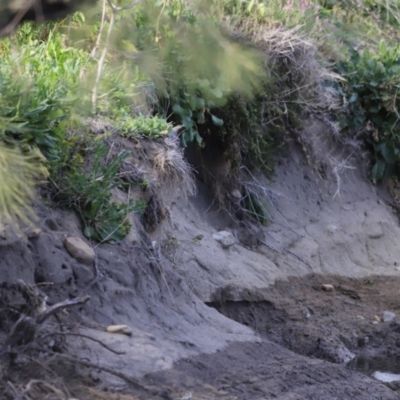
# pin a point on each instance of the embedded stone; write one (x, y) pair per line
(80, 250)
(225, 238)
(327, 287)
(388, 316)
(34, 233)
(331, 229)
(236, 194)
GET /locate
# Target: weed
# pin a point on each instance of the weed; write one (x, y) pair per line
(89, 193)
(152, 128)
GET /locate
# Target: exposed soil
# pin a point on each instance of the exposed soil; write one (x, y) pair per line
(180, 345)
(210, 322)
(265, 371)
(299, 315)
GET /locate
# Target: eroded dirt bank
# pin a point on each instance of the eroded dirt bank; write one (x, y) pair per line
(207, 322)
(181, 345)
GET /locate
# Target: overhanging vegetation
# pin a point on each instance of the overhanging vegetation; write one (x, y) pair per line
(247, 72)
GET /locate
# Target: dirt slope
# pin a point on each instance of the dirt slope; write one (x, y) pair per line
(179, 344)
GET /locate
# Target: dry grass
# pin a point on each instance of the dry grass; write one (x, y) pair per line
(174, 173)
(295, 63)
(156, 172)
(301, 92)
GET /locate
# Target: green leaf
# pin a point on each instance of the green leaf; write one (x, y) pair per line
(89, 232)
(388, 152)
(216, 93)
(378, 171)
(217, 121)
(353, 98)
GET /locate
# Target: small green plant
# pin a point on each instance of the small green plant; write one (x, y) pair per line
(152, 128)
(90, 194)
(372, 98)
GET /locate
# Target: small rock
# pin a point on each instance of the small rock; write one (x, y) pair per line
(236, 194)
(34, 233)
(376, 319)
(360, 317)
(375, 322)
(80, 250)
(388, 316)
(225, 238)
(327, 287)
(386, 376)
(331, 229)
(124, 329)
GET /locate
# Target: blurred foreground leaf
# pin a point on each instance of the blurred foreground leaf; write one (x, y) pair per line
(18, 176)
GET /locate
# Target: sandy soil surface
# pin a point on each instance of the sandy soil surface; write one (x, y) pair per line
(181, 346)
(246, 322)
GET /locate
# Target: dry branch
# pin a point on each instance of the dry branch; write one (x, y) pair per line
(85, 337)
(59, 306)
(34, 314)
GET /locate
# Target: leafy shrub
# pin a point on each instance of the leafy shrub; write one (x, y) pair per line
(39, 112)
(36, 92)
(372, 104)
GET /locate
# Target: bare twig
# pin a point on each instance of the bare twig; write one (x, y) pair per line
(127, 7)
(17, 19)
(64, 304)
(102, 59)
(115, 11)
(95, 278)
(100, 34)
(83, 336)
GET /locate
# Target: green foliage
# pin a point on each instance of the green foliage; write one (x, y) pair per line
(36, 86)
(152, 128)
(41, 110)
(371, 92)
(89, 192)
(361, 23)
(245, 125)
(178, 61)
(198, 68)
